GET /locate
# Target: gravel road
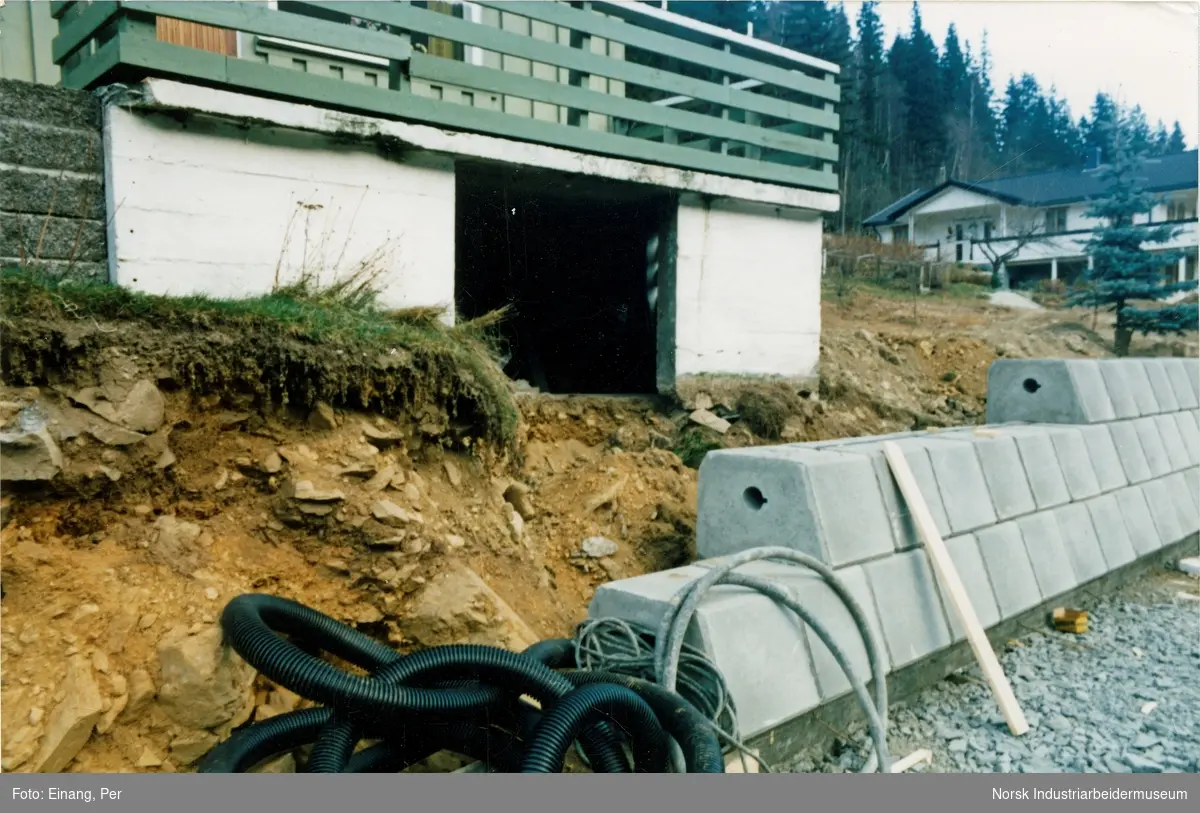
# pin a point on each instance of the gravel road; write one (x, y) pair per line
(1123, 697)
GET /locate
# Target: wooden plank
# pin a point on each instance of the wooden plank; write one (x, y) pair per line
(913, 759)
(167, 60)
(256, 18)
(197, 35)
(75, 34)
(94, 67)
(609, 28)
(541, 90)
(549, 53)
(944, 566)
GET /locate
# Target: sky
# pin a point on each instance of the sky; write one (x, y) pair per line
(1140, 52)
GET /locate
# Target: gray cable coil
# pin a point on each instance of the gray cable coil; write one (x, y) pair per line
(673, 627)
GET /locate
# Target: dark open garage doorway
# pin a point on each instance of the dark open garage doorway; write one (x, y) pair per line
(576, 259)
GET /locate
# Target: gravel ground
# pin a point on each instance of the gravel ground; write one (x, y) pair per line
(1123, 697)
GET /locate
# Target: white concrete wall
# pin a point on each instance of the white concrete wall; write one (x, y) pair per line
(748, 289)
(214, 208)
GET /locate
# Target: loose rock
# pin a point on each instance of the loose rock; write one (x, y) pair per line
(452, 473)
(322, 418)
(517, 495)
(457, 605)
(381, 480)
(188, 749)
(305, 491)
(70, 724)
(389, 513)
(29, 456)
(597, 547)
(205, 683)
(705, 418)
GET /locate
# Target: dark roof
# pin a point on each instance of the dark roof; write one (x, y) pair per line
(1164, 173)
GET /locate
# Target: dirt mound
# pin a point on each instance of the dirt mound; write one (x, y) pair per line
(290, 349)
(122, 562)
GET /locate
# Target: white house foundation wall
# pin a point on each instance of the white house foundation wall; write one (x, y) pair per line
(211, 206)
(747, 292)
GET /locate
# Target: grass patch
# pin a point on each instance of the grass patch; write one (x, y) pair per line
(693, 445)
(301, 343)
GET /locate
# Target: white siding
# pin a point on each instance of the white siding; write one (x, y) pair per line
(748, 298)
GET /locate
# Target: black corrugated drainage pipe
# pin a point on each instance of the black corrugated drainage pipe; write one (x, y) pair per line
(464, 698)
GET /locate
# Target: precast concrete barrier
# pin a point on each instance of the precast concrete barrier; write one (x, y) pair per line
(1085, 467)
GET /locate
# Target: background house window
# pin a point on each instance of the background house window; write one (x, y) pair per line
(900, 234)
(987, 230)
(1056, 220)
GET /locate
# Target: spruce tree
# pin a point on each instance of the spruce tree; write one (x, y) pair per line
(1125, 271)
(1176, 142)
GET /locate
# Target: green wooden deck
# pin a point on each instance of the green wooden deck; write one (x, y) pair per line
(594, 77)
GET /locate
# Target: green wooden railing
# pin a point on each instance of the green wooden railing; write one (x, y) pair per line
(670, 92)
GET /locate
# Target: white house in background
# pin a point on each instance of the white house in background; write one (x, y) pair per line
(1038, 220)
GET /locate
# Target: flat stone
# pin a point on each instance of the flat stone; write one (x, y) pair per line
(910, 609)
(1047, 553)
(306, 491)
(381, 480)
(710, 421)
(1009, 568)
(382, 438)
(389, 513)
(1135, 510)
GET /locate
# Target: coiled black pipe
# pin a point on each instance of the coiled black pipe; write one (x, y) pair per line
(559, 727)
(463, 698)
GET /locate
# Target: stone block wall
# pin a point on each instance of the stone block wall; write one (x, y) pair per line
(1089, 466)
(52, 206)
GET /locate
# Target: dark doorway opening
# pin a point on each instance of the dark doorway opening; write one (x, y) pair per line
(573, 258)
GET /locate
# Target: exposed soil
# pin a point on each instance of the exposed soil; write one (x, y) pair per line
(365, 517)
